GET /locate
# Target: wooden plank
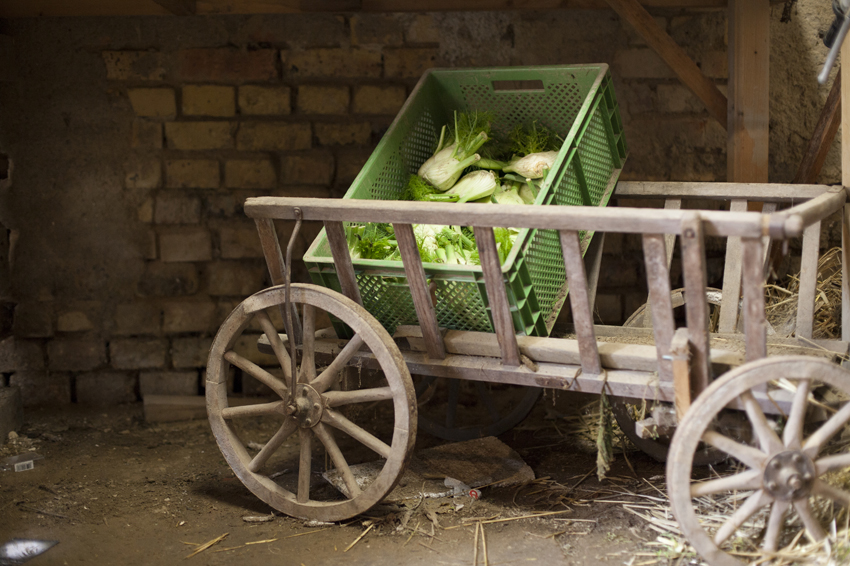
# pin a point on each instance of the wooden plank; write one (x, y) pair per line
(169, 408)
(580, 302)
(417, 281)
(755, 327)
(342, 260)
(821, 141)
(675, 57)
(612, 219)
(749, 51)
(60, 8)
(660, 305)
(766, 242)
(768, 192)
(271, 250)
(808, 281)
(670, 239)
(179, 7)
(497, 296)
(592, 264)
(731, 277)
(845, 272)
(696, 305)
(680, 357)
(796, 219)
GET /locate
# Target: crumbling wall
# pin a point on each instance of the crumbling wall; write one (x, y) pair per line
(135, 142)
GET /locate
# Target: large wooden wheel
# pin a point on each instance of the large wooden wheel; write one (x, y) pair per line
(784, 476)
(311, 410)
(458, 410)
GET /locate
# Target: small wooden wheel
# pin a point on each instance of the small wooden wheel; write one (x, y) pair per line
(785, 471)
(458, 410)
(310, 406)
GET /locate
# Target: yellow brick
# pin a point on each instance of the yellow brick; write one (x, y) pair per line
(143, 174)
(376, 29)
(307, 169)
(264, 100)
(323, 99)
(199, 135)
(249, 174)
(358, 133)
(209, 100)
(134, 65)
(409, 63)
(274, 136)
(370, 99)
(334, 62)
(192, 173)
(423, 29)
(153, 102)
(146, 135)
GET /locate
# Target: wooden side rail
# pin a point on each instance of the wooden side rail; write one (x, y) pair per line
(761, 192)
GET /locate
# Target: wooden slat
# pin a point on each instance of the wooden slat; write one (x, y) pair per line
(179, 7)
(696, 305)
(749, 51)
(660, 305)
(342, 260)
(592, 264)
(776, 192)
(170, 408)
(418, 284)
(732, 277)
(755, 328)
(808, 281)
(497, 295)
(845, 271)
(766, 242)
(580, 302)
(670, 239)
(675, 57)
(612, 219)
(680, 356)
(823, 136)
(271, 250)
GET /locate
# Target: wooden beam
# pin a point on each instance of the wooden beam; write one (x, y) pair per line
(825, 130)
(684, 67)
(845, 180)
(749, 51)
(179, 7)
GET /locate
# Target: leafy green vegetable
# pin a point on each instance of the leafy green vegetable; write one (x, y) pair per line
(533, 139)
(444, 168)
(476, 185)
(419, 189)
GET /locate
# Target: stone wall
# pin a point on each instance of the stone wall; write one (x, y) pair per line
(135, 141)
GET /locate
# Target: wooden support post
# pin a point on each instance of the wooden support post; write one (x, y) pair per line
(342, 259)
(755, 327)
(749, 51)
(660, 305)
(418, 284)
(271, 250)
(845, 180)
(808, 281)
(497, 295)
(821, 140)
(580, 303)
(670, 239)
(680, 357)
(592, 264)
(696, 303)
(732, 277)
(674, 56)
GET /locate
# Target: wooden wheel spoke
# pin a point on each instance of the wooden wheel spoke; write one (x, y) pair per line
(831, 492)
(750, 456)
(305, 466)
(326, 378)
(753, 503)
(830, 463)
(812, 525)
(338, 459)
(339, 398)
(289, 426)
(451, 405)
(751, 479)
(792, 436)
(768, 440)
(258, 410)
(276, 344)
(487, 399)
(308, 359)
(830, 428)
(356, 432)
(774, 525)
(257, 373)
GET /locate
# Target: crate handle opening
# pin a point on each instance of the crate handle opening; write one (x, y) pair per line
(535, 84)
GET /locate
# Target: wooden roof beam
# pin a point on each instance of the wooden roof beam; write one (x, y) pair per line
(679, 61)
(179, 7)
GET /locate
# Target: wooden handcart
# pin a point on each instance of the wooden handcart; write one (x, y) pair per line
(706, 387)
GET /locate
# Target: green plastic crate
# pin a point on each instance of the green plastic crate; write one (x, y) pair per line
(577, 102)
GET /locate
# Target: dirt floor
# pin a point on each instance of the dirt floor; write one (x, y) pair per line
(112, 489)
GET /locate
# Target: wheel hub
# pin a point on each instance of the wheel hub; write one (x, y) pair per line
(306, 406)
(789, 475)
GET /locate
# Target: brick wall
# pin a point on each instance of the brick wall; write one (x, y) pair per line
(137, 140)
